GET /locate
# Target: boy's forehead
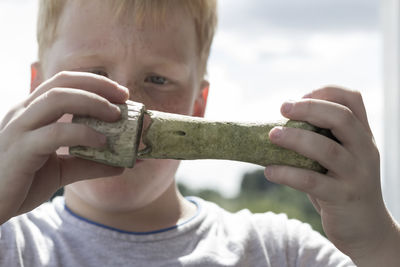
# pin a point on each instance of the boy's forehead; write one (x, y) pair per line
(96, 14)
(87, 27)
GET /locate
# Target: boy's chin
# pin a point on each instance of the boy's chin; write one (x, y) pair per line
(134, 189)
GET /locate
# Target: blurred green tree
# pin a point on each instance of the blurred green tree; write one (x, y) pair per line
(259, 195)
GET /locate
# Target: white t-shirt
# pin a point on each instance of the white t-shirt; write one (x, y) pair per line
(52, 235)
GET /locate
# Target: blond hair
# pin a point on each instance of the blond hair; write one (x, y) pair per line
(203, 12)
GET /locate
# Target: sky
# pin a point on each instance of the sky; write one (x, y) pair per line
(264, 53)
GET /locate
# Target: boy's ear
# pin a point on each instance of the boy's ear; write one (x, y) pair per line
(36, 76)
(201, 101)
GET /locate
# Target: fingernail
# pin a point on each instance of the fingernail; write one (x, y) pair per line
(287, 107)
(307, 95)
(268, 172)
(116, 108)
(276, 133)
(124, 88)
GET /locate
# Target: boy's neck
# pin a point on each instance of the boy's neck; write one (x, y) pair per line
(166, 211)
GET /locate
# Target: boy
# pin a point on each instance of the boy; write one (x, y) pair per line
(93, 54)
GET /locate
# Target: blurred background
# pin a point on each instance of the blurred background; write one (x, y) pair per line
(265, 52)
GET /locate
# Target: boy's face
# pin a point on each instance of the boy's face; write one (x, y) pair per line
(160, 67)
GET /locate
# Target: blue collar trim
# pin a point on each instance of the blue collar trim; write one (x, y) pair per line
(191, 199)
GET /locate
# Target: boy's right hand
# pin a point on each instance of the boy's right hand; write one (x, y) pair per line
(30, 169)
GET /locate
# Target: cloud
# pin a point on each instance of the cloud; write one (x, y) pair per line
(281, 59)
(300, 15)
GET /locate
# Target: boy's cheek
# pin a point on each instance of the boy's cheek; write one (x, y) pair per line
(174, 103)
(179, 100)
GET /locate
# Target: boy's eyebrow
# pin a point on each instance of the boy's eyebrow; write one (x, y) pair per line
(79, 55)
(178, 67)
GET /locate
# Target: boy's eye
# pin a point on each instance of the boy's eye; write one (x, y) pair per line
(99, 72)
(156, 80)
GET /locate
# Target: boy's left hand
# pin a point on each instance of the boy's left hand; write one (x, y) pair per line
(348, 197)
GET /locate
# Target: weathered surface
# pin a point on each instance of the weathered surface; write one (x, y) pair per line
(182, 137)
(122, 137)
(173, 136)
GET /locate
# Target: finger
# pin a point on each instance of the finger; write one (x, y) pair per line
(48, 139)
(317, 185)
(11, 114)
(75, 169)
(346, 97)
(96, 84)
(50, 106)
(338, 118)
(326, 151)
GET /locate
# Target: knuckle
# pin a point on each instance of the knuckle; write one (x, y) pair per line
(101, 78)
(290, 137)
(329, 88)
(104, 102)
(371, 147)
(52, 132)
(66, 77)
(9, 118)
(96, 106)
(372, 157)
(86, 133)
(53, 94)
(63, 75)
(376, 157)
(351, 195)
(364, 173)
(309, 182)
(357, 96)
(346, 117)
(333, 151)
(305, 106)
(297, 137)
